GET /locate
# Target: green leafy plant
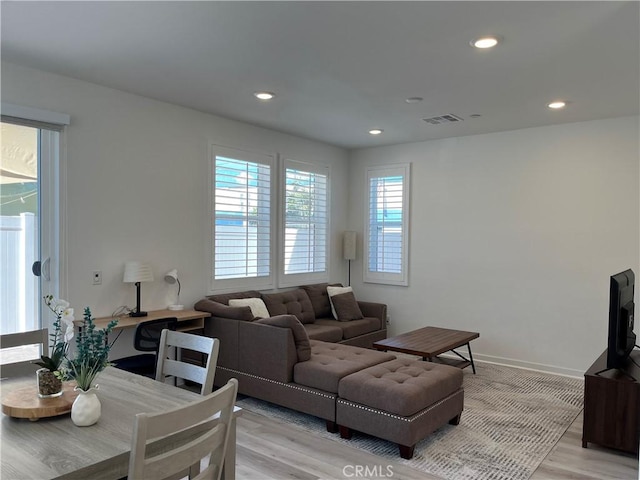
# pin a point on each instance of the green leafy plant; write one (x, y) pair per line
(62, 333)
(92, 352)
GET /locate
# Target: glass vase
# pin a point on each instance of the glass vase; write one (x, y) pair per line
(48, 385)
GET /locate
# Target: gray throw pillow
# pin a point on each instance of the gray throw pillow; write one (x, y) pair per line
(346, 307)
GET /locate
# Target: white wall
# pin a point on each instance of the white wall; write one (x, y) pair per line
(514, 235)
(137, 185)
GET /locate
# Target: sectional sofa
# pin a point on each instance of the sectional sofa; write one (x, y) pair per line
(301, 358)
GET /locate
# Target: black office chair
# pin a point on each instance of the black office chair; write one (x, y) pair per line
(147, 339)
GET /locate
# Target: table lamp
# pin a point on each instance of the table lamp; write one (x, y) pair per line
(136, 272)
(171, 277)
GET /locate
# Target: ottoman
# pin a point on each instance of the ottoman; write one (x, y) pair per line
(330, 363)
(402, 401)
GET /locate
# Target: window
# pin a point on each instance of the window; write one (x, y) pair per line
(242, 219)
(386, 238)
(306, 224)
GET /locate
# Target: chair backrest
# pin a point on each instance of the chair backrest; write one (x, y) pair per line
(188, 371)
(20, 366)
(190, 434)
(147, 336)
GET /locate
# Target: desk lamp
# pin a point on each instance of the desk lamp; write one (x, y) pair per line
(136, 272)
(171, 277)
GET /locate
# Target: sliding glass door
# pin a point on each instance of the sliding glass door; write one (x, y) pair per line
(28, 224)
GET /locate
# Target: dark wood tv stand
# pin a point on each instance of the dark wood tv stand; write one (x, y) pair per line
(612, 405)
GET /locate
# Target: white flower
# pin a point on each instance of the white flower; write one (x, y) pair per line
(60, 306)
(67, 318)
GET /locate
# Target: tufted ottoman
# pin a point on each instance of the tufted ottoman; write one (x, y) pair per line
(330, 363)
(402, 401)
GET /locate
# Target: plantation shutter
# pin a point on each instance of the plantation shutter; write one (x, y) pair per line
(242, 214)
(306, 223)
(387, 225)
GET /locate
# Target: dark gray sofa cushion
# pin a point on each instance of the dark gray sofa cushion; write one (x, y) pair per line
(330, 362)
(324, 333)
(294, 302)
(320, 299)
(353, 328)
(346, 307)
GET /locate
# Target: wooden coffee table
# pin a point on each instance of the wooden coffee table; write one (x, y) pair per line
(429, 342)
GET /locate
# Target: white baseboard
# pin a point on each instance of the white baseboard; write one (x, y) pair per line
(538, 367)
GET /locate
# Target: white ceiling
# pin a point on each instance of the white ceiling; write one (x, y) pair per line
(342, 68)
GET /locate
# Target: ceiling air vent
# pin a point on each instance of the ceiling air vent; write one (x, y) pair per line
(448, 118)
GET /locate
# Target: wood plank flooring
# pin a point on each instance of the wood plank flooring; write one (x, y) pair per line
(269, 449)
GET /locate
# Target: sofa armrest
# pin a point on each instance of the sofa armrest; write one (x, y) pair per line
(266, 351)
(217, 309)
(372, 309)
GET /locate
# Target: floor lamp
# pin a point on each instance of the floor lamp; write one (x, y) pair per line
(349, 249)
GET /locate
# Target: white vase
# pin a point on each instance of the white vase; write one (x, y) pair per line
(86, 408)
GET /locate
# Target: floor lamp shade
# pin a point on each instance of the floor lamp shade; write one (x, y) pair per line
(136, 272)
(349, 245)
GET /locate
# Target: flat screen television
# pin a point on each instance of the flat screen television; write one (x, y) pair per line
(621, 337)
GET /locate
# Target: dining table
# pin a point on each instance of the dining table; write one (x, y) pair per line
(55, 448)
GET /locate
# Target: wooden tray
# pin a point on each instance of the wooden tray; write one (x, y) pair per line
(25, 403)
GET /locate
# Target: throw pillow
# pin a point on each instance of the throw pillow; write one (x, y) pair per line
(258, 308)
(348, 305)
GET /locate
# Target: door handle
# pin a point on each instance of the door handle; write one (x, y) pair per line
(42, 269)
(46, 269)
(36, 268)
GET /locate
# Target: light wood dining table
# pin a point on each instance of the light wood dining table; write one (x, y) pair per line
(55, 448)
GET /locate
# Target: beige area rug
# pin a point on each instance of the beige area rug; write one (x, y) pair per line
(512, 419)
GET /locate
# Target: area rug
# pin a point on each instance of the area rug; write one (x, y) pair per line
(512, 419)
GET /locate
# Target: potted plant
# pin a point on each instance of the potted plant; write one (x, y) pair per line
(91, 357)
(49, 377)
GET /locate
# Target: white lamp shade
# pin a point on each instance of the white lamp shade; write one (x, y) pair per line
(349, 245)
(171, 276)
(137, 272)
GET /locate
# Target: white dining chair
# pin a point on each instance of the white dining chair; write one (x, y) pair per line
(184, 370)
(22, 366)
(183, 436)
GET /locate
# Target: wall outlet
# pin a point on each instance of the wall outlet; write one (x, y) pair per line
(388, 320)
(97, 277)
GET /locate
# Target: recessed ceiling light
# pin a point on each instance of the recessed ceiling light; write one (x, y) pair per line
(488, 41)
(375, 131)
(558, 104)
(414, 99)
(264, 95)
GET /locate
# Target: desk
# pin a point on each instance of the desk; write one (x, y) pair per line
(56, 448)
(187, 319)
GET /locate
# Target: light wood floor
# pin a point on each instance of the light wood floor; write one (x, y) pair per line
(267, 449)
